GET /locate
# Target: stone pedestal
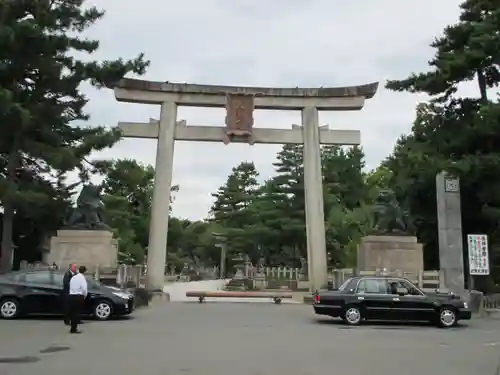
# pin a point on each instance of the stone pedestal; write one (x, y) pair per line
(402, 253)
(90, 248)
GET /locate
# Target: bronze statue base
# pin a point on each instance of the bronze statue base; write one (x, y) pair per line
(392, 252)
(91, 248)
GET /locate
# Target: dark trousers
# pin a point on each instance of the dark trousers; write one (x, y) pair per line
(75, 307)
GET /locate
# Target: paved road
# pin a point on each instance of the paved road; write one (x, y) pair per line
(245, 339)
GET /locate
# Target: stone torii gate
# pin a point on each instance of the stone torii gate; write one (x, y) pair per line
(240, 103)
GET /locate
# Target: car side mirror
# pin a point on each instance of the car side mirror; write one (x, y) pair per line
(402, 291)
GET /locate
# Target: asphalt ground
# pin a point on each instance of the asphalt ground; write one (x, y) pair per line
(245, 339)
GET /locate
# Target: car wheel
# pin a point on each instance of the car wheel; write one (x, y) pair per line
(447, 317)
(103, 310)
(352, 315)
(9, 308)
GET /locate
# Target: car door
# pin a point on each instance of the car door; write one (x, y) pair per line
(40, 296)
(333, 301)
(413, 306)
(94, 292)
(372, 295)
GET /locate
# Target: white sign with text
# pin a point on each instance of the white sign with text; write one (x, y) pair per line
(478, 254)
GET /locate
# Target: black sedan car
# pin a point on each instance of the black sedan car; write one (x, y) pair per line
(389, 299)
(39, 292)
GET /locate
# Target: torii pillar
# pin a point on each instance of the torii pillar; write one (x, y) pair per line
(240, 103)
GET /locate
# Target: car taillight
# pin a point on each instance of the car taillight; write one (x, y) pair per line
(317, 299)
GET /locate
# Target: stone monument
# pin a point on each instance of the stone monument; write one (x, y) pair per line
(451, 258)
(303, 268)
(240, 280)
(260, 270)
(390, 245)
(240, 103)
(85, 238)
(239, 266)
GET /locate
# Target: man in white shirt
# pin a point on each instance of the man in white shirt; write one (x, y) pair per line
(77, 295)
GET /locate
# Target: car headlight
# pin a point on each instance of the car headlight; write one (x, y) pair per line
(122, 295)
(466, 305)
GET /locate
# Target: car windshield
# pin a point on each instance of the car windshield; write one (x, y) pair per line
(92, 282)
(344, 285)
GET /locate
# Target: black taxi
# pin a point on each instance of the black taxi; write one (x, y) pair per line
(388, 298)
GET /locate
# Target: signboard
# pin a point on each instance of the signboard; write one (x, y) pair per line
(478, 254)
(451, 185)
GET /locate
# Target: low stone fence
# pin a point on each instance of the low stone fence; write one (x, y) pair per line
(289, 278)
(484, 305)
(281, 276)
(124, 275)
(491, 301)
(425, 279)
(282, 273)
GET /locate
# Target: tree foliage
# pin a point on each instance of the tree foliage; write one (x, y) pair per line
(268, 222)
(467, 50)
(453, 133)
(128, 196)
(40, 98)
(39, 143)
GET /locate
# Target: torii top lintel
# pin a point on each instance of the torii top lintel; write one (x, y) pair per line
(325, 98)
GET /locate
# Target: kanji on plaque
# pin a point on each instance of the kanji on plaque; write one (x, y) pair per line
(478, 254)
(239, 117)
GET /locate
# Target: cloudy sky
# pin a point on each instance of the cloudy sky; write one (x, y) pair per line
(269, 43)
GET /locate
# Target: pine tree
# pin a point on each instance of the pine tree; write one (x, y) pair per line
(235, 195)
(288, 190)
(467, 50)
(40, 96)
(346, 197)
(230, 208)
(274, 224)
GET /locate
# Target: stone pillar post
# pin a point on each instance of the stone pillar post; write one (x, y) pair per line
(451, 259)
(158, 229)
(313, 186)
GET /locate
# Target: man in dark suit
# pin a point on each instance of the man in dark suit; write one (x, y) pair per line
(65, 293)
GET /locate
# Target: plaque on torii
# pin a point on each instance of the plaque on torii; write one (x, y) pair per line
(239, 118)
